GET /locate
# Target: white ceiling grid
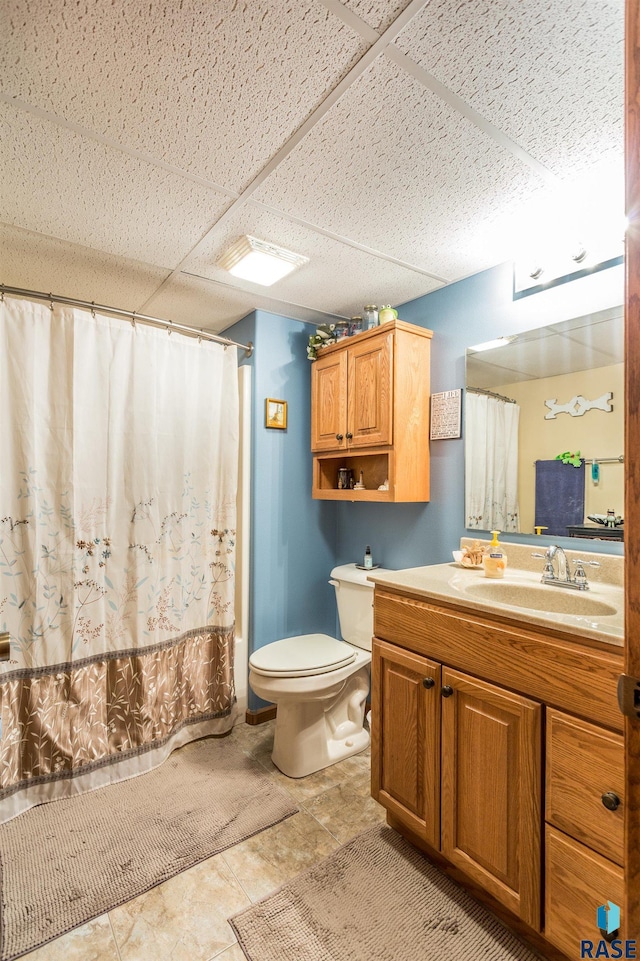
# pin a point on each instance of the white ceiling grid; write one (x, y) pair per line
(154, 134)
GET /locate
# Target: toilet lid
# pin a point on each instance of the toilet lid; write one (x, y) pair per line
(301, 656)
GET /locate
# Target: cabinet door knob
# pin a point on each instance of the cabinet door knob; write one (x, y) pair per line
(349, 435)
(339, 436)
(428, 682)
(611, 801)
(446, 691)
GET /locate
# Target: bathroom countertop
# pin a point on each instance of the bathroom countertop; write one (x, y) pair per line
(451, 583)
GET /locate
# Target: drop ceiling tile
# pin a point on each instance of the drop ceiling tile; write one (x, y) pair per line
(480, 373)
(36, 262)
(549, 75)
(338, 279)
(548, 356)
(379, 14)
(198, 303)
(394, 167)
(214, 88)
(606, 341)
(58, 183)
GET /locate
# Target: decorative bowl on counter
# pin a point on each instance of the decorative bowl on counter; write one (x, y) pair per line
(462, 559)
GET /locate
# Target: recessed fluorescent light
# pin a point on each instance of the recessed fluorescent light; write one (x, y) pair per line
(259, 261)
(490, 344)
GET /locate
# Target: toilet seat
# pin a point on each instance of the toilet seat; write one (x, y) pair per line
(301, 656)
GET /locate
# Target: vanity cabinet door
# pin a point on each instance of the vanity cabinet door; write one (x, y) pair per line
(329, 402)
(405, 738)
(491, 790)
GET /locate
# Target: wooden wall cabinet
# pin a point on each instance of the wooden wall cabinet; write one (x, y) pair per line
(459, 702)
(370, 412)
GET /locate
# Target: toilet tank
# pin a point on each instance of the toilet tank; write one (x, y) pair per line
(354, 594)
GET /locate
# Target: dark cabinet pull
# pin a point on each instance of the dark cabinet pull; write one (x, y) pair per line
(428, 682)
(446, 691)
(339, 436)
(349, 435)
(611, 801)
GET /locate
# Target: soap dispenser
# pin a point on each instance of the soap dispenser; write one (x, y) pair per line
(368, 559)
(495, 560)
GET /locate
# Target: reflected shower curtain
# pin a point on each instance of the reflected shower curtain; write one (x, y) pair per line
(491, 463)
(118, 454)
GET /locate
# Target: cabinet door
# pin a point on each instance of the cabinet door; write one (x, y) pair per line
(491, 790)
(370, 400)
(405, 738)
(329, 402)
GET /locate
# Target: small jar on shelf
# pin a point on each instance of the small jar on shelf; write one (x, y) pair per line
(369, 317)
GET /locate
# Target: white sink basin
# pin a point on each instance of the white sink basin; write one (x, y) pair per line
(544, 598)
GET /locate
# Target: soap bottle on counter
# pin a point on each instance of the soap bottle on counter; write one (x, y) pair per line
(495, 559)
(368, 559)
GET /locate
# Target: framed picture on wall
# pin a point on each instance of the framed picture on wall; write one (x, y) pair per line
(275, 414)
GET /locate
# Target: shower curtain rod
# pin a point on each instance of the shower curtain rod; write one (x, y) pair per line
(131, 314)
(491, 393)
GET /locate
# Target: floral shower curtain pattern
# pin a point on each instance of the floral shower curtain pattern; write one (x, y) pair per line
(491, 463)
(119, 451)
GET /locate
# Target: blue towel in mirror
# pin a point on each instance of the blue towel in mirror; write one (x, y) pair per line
(559, 496)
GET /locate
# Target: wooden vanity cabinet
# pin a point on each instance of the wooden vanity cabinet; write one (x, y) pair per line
(466, 775)
(369, 412)
(459, 703)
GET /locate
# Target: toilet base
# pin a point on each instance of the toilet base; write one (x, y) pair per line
(311, 735)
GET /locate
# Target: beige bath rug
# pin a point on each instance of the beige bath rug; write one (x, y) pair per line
(68, 861)
(374, 899)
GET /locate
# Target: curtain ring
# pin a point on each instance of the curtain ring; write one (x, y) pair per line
(133, 320)
(93, 309)
(1, 293)
(50, 301)
(169, 327)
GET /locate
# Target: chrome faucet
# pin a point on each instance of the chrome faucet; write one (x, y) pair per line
(563, 578)
(563, 566)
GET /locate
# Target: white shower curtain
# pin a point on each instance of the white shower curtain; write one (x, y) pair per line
(491, 463)
(118, 454)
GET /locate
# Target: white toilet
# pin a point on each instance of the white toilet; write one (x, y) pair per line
(320, 684)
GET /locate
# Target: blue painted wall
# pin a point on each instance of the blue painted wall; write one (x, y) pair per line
(296, 540)
(293, 544)
(473, 310)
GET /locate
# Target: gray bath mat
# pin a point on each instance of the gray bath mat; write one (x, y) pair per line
(374, 899)
(68, 861)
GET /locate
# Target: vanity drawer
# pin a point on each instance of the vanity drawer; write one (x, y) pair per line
(577, 882)
(585, 763)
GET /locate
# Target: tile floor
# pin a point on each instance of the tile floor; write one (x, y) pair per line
(184, 919)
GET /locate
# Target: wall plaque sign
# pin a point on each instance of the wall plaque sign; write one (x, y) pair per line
(446, 408)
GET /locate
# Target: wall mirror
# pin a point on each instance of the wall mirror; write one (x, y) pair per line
(536, 395)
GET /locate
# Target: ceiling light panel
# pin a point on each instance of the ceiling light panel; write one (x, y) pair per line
(571, 115)
(213, 88)
(410, 172)
(259, 261)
